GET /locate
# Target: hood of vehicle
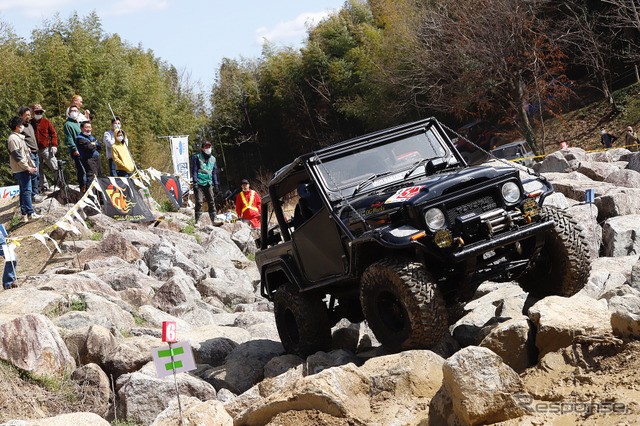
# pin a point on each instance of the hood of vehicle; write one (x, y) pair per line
(428, 187)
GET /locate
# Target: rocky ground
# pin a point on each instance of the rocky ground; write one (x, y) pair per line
(76, 337)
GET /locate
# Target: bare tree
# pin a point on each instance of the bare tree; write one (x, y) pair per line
(585, 34)
(625, 14)
(490, 57)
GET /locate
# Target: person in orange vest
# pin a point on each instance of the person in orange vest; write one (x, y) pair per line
(248, 205)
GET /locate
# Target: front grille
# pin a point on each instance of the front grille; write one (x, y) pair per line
(478, 206)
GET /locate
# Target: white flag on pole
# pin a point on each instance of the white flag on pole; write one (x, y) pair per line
(180, 154)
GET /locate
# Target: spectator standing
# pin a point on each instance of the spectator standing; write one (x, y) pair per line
(76, 101)
(121, 156)
(22, 166)
(32, 144)
(9, 275)
(109, 140)
(631, 139)
(606, 138)
(71, 131)
(205, 180)
(248, 205)
(88, 147)
(47, 140)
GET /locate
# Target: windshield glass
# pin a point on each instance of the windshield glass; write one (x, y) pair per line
(390, 158)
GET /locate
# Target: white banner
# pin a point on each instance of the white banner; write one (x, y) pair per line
(180, 154)
(9, 191)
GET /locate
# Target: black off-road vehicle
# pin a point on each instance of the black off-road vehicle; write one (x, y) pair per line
(394, 226)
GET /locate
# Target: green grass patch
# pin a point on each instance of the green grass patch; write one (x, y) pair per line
(139, 320)
(72, 303)
(190, 228)
(96, 236)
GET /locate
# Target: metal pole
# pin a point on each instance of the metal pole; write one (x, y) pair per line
(175, 382)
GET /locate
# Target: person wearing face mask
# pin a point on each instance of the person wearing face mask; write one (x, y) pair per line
(88, 147)
(47, 139)
(606, 138)
(205, 181)
(121, 156)
(109, 139)
(32, 143)
(22, 166)
(76, 100)
(71, 131)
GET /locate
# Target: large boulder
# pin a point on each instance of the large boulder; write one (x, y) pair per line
(618, 202)
(340, 391)
(154, 317)
(21, 301)
(95, 382)
(561, 320)
(178, 289)
(627, 178)
(142, 396)
(130, 355)
(406, 382)
(66, 419)
(479, 387)
(193, 411)
(32, 344)
(228, 292)
(163, 256)
(554, 162)
(244, 366)
(90, 344)
(597, 170)
(514, 342)
(115, 244)
(220, 246)
(607, 273)
(620, 236)
(75, 283)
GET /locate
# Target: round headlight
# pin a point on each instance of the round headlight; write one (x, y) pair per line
(510, 192)
(434, 218)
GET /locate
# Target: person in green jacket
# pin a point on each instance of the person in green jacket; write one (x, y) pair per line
(71, 131)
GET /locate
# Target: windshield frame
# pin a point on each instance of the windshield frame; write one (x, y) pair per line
(335, 188)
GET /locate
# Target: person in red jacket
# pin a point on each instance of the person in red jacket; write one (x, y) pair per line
(47, 139)
(248, 205)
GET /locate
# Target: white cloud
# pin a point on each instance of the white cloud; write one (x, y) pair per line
(290, 30)
(127, 7)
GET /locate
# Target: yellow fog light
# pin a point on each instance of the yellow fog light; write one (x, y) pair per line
(443, 238)
(530, 207)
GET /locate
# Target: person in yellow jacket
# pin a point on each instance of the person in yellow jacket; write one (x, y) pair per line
(121, 155)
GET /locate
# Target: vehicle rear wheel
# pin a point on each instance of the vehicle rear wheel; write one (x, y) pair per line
(402, 304)
(302, 321)
(562, 268)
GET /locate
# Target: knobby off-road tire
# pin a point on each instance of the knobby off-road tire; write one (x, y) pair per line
(302, 321)
(562, 268)
(402, 305)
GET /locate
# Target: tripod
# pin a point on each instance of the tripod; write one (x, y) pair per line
(60, 182)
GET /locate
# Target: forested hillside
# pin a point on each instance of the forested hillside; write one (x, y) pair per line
(374, 63)
(377, 63)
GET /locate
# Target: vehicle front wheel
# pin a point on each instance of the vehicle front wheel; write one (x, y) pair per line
(402, 305)
(302, 321)
(562, 268)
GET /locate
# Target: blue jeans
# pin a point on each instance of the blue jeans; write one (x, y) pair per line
(112, 168)
(9, 275)
(122, 173)
(24, 181)
(35, 178)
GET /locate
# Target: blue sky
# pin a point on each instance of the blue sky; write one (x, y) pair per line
(193, 35)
